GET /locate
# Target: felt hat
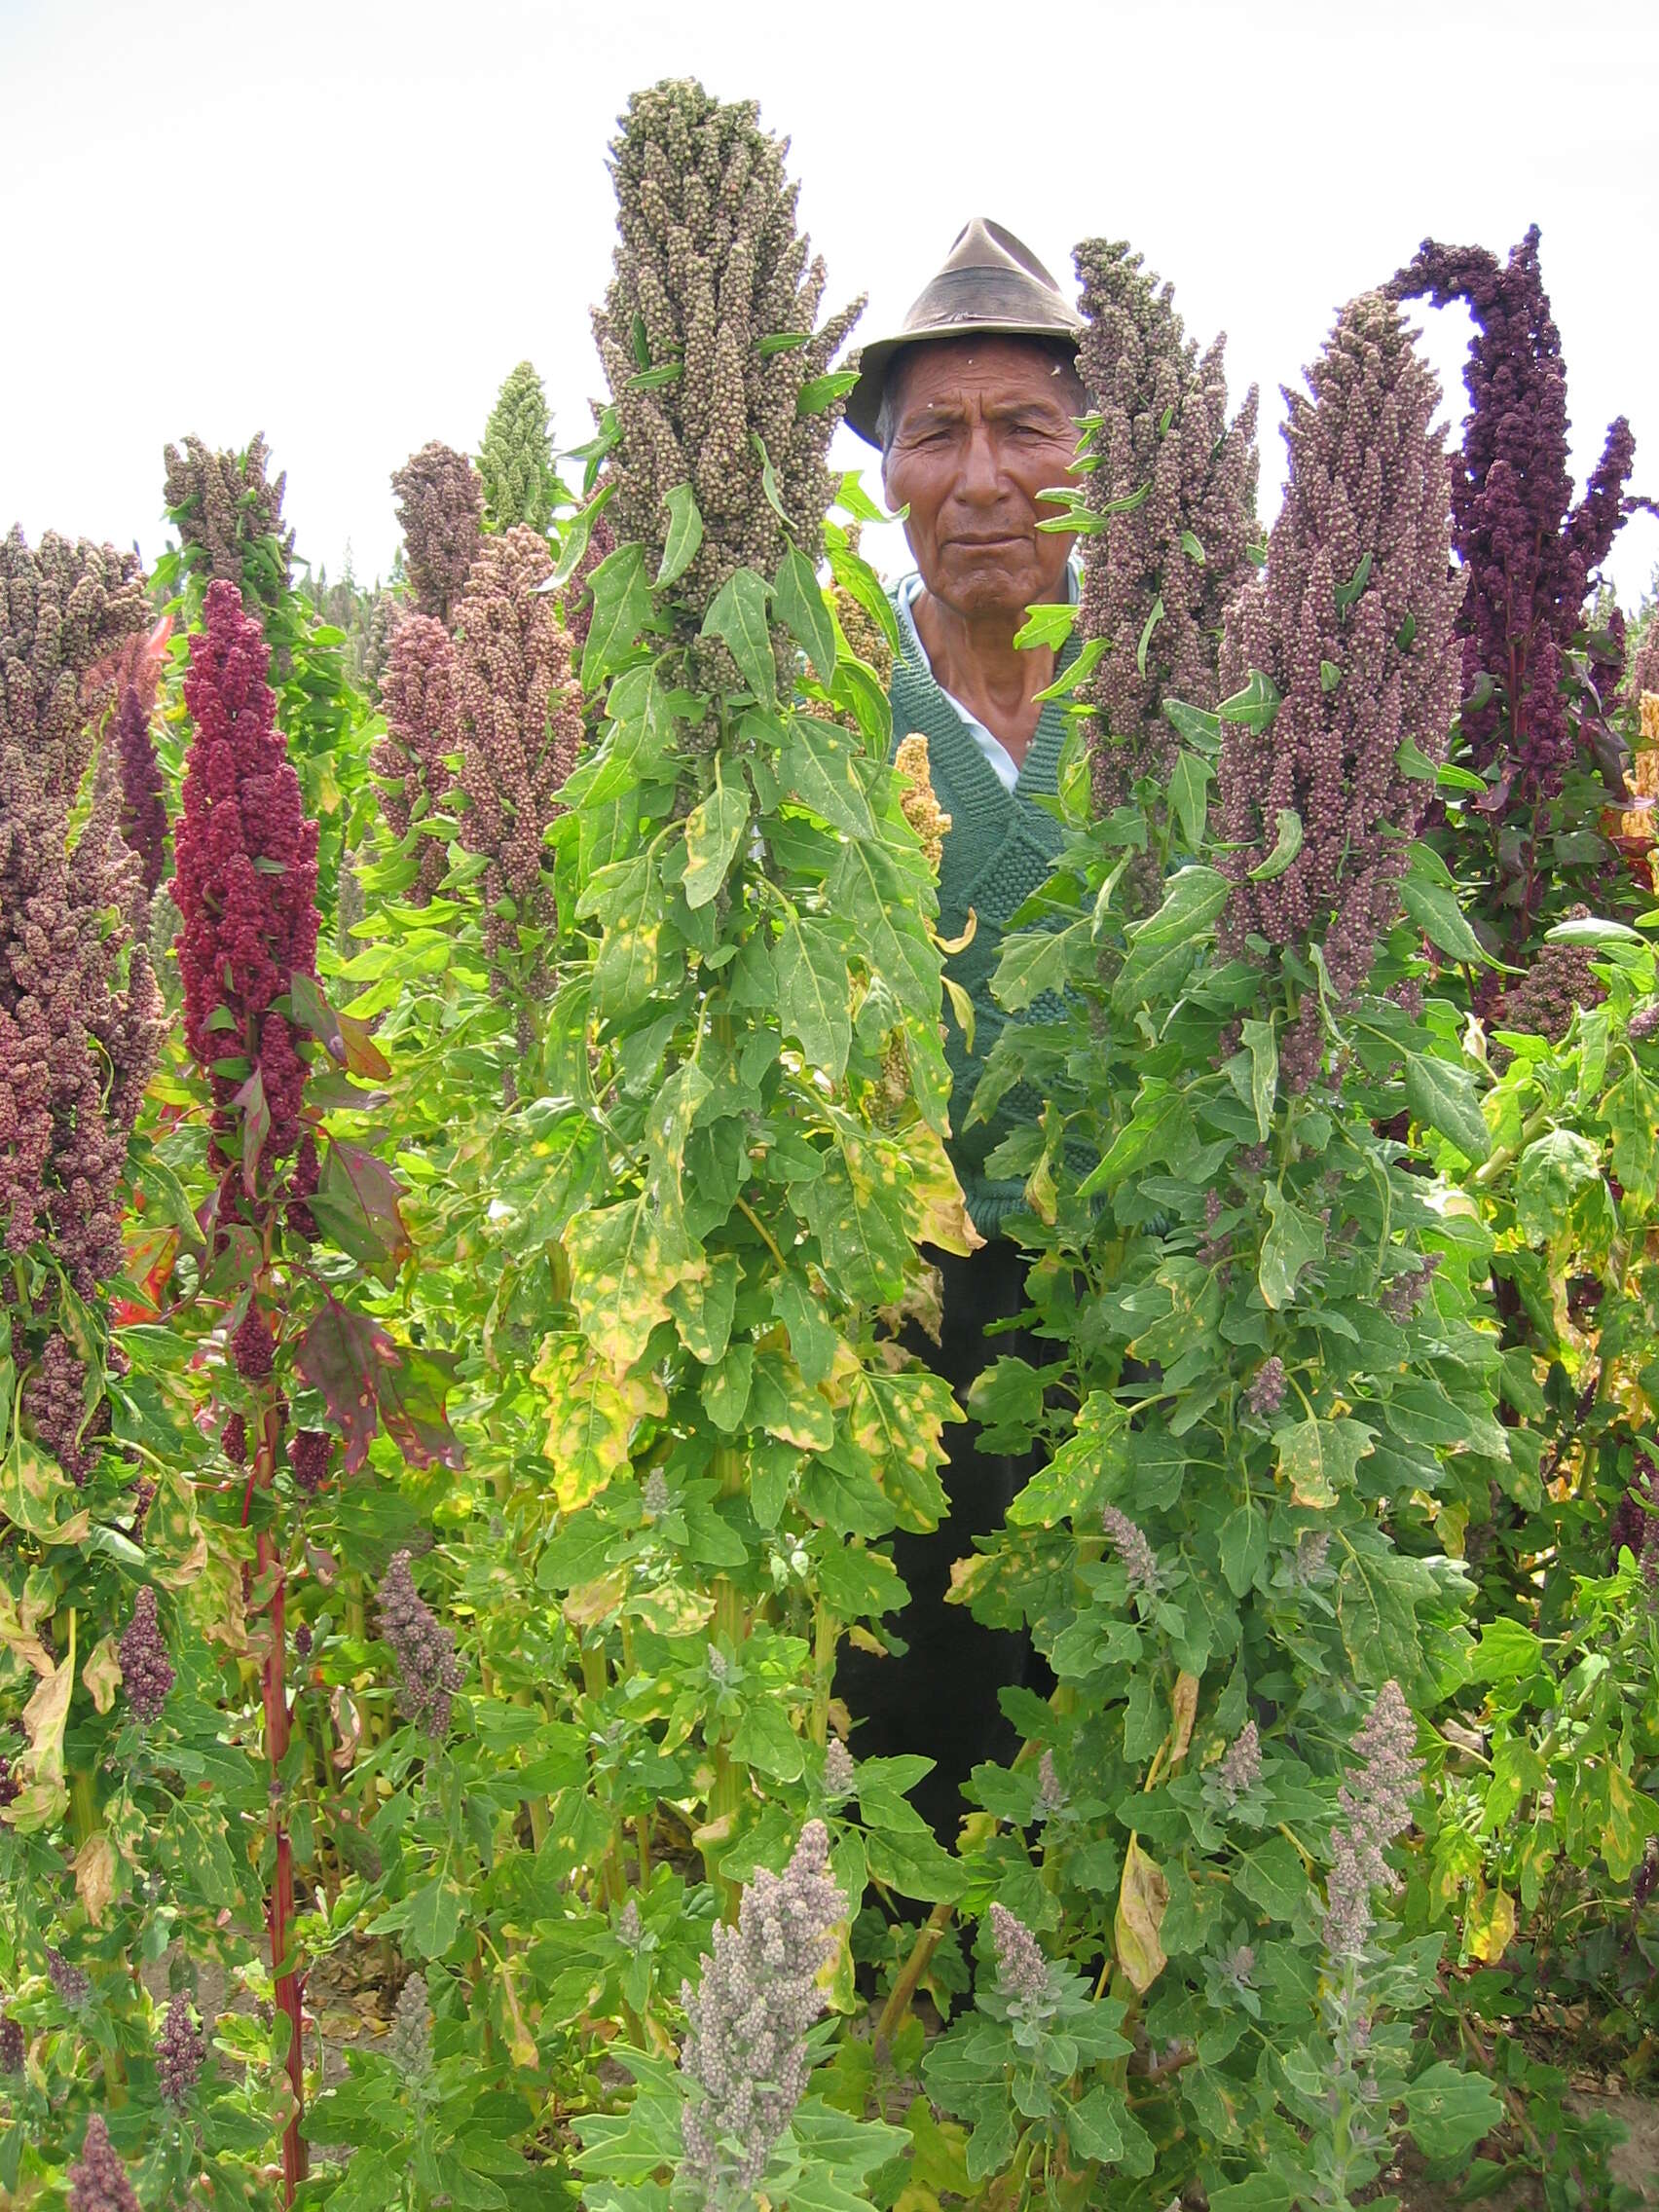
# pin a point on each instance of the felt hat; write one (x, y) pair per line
(992, 284)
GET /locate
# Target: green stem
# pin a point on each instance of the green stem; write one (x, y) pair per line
(730, 1784)
(84, 1823)
(826, 1641)
(976, 1828)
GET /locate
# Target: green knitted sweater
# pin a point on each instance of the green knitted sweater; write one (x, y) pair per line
(999, 848)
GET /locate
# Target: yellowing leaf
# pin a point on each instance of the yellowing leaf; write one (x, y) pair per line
(592, 1415)
(20, 1622)
(1631, 1817)
(1142, 1897)
(670, 1609)
(94, 1876)
(713, 830)
(175, 1546)
(1185, 1705)
(936, 1211)
(43, 1795)
(624, 1261)
(1489, 1924)
(1317, 1457)
(33, 1488)
(520, 2041)
(102, 1674)
(594, 1601)
(898, 1418)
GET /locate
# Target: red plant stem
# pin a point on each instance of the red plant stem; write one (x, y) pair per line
(280, 1905)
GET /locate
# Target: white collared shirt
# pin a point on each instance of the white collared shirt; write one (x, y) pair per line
(1003, 763)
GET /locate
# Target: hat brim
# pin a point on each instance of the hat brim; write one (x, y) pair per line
(863, 402)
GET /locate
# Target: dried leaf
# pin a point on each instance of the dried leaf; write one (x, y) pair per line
(102, 1674)
(1142, 1897)
(94, 1876)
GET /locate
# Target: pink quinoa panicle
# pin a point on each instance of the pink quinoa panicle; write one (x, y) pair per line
(1354, 623)
(409, 760)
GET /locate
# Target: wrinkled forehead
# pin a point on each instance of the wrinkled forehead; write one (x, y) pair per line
(948, 373)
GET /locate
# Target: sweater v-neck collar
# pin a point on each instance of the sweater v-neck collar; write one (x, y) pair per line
(918, 690)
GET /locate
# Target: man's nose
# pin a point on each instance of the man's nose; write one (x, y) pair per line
(980, 478)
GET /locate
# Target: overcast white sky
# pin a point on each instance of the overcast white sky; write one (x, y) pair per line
(343, 224)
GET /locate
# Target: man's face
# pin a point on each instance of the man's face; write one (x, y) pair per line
(981, 427)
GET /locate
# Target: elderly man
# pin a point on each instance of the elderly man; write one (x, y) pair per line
(973, 404)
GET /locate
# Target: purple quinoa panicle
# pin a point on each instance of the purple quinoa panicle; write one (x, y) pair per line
(429, 1672)
(1135, 1554)
(55, 1397)
(1560, 980)
(73, 1985)
(840, 1769)
(137, 671)
(1023, 1971)
(97, 2179)
(180, 2053)
(309, 1452)
(146, 1671)
(1239, 1767)
(1266, 1392)
(440, 506)
(80, 1012)
(1530, 553)
(75, 1043)
(221, 504)
(744, 2058)
(1376, 1805)
(1139, 367)
(1365, 515)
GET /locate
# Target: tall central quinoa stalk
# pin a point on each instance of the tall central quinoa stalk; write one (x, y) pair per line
(756, 1032)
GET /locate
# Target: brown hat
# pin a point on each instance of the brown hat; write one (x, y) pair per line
(990, 284)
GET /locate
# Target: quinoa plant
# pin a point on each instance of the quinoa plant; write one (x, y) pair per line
(735, 2126)
(1542, 1846)
(747, 1111)
(1266, 1413)
(297, 1209)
